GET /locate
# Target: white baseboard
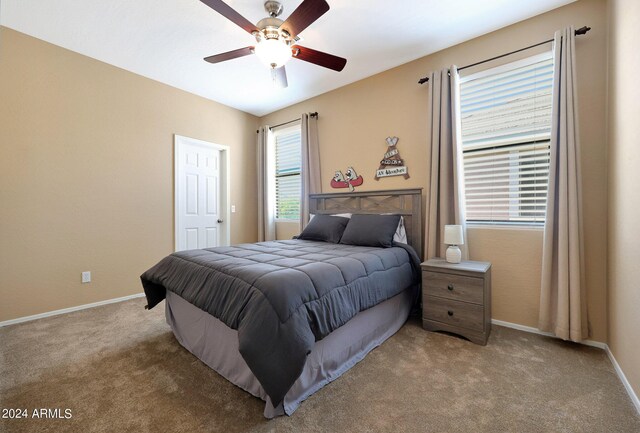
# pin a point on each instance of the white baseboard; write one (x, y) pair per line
(532, 330)
(598, 344)
(623, 379)
(68, 310)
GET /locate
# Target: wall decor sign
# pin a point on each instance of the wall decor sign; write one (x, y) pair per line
(392, 164)
(350, 179)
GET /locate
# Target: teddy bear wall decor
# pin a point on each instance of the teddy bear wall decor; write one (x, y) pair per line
(350, 179)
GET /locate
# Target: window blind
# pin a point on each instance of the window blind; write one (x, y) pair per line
(506, 127)
(288, 162)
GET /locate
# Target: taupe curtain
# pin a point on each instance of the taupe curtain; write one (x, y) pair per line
(563, 306)
(445, 204)
(266, 185)
(310, 170)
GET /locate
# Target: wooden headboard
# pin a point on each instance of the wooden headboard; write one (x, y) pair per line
(405, 202)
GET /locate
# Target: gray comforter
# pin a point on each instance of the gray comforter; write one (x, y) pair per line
(283, 296)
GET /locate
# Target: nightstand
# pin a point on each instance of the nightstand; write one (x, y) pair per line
(456, 297)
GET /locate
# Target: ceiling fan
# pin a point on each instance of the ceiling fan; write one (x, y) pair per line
(277, 40)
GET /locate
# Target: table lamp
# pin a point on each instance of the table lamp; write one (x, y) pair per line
(453, 237)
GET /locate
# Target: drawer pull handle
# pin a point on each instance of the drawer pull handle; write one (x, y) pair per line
(450, 287)
(450, 313)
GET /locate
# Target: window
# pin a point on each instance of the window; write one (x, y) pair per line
(506, 127)
(288, 163)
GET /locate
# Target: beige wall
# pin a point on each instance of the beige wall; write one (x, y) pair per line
(86, 169)
(624, 178)
(287, 229)
(354, 121)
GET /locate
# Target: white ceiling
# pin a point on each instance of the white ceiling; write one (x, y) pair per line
(166, 40)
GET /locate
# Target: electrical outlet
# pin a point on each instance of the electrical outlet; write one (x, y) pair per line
(233, 208)
(86, 277)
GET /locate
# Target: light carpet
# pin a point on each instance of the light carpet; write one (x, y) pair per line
(118, 368)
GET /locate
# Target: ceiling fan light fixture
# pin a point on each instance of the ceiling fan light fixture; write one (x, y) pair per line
(274, 53)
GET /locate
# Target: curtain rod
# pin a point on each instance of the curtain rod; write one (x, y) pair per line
(578, 32)
(291, 121)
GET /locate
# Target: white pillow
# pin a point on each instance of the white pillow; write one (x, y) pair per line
(399, 236)
(401, 233)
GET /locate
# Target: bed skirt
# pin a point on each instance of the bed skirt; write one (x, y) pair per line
(215, 344)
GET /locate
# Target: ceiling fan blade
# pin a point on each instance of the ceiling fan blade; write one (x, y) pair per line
(304, 15)
(240, 52)
(279, 76)
(228, 12)
(319, 58)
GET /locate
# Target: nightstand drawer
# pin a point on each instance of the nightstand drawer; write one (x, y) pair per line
(454, 313)
(456, 287)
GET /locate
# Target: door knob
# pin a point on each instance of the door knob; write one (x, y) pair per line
(220, 221)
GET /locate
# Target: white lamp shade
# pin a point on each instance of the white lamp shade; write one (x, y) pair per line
(453, 235)
(273, 52)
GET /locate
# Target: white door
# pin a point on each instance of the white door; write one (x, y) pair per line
(197, 178)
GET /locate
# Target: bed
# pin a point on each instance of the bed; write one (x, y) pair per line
(282, 319)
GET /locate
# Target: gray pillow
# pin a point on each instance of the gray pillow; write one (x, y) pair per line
(371, 230)
(324, 228)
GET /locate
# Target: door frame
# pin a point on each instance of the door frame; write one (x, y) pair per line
(225, 188)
